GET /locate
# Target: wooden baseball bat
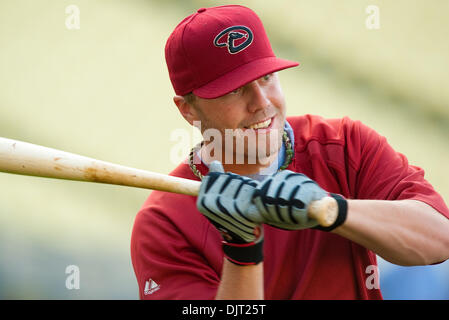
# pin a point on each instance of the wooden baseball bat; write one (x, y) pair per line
(33, 160)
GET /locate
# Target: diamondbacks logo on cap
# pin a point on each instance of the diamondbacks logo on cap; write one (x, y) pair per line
(235, 38)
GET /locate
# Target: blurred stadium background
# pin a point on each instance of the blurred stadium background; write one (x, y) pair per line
(103, 91)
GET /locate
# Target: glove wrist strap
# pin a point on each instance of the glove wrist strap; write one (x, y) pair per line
(244, 254)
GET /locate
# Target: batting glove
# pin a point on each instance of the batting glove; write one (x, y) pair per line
(225, 199)
(283, 200)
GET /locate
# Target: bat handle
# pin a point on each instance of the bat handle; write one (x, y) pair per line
(325, 211)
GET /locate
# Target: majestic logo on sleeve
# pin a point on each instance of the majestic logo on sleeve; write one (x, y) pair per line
(236, 38)
(150, 287)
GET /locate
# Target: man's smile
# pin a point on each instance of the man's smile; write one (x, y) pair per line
(264, 124)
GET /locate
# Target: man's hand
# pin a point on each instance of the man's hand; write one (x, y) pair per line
(283, 199)
(225, 199)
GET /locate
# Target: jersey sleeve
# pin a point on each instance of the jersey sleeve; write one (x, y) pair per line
(169, 259)
(384, 174)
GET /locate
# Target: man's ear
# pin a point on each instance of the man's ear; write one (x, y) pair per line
(186, 109)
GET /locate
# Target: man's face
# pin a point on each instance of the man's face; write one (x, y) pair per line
(256, 110)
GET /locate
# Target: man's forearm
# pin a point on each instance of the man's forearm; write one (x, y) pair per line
(241, 282)
(403, 232)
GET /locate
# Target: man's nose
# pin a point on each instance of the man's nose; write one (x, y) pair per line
(257, 97)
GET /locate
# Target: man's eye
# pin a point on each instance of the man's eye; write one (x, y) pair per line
(236, 91)
(267, 76)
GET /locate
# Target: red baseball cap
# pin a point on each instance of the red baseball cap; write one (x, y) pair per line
(217, 50)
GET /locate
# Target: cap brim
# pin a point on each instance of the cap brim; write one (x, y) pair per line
(242, 75)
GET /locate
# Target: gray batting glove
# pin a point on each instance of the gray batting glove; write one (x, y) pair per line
(282, 200)
(225, 199)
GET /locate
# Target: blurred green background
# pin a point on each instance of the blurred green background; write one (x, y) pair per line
(103, 91)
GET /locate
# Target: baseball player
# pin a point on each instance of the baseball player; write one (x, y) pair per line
(247, 234)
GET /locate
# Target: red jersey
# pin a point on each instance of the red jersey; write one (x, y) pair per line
(176, 252)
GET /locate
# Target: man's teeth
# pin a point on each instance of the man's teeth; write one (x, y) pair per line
(261, 125)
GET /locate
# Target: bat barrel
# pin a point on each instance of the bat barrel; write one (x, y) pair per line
(28, 159)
